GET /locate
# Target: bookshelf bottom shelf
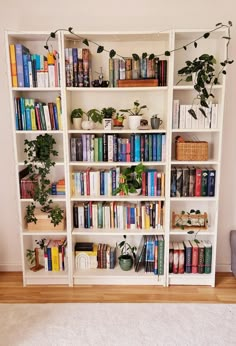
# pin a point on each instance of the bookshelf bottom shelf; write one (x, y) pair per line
(46, 278)
(116, 277)
(192, 279)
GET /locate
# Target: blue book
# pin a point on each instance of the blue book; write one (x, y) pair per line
(26, 70)
(113, 177)
(132, 147)
(154, 147)
(20, 51)
(28, 114)
(22, 113)
(137, 149)
(159, 147)
(49, 253)
(75, 66)
(156, 255)
(146, 148)
(16, 114)
(211, 182)
(55, 116)
(150, 147)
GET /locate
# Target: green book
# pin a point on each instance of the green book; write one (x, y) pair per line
(100, 149)
(207, 256)
(161, 251)
(96, 149)
(204, 187)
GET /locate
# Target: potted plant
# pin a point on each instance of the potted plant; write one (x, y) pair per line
(93, 116)
(107, 114)
(135, 114)
(39, 160)
(33, 255)
(127, 256)
(118, 120)
(76, 117)
(131, 180)
(201, 72)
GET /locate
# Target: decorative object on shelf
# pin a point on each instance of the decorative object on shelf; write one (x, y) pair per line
(190, 150)
(118, 120)
(100, 83)
(39, 153)
(144, 125)
(156, 122)
(150, 56)
(128, 254)
(107, 114)
(76, 118)
(94, 116)
(33, 255)
(192, 219)
(134, 114)
(131, 180)
(122, 83)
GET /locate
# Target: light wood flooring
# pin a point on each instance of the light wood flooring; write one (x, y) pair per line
(12, 291)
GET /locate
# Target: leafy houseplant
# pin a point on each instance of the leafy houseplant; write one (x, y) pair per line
(76, 117)
(33, 255)
(39, 160)
(135, 114)
(201, 71)
(118, 119)
(127, 255)
(108, 112)
(131, 179)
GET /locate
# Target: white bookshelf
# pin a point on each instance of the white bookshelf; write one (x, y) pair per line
(159, 100)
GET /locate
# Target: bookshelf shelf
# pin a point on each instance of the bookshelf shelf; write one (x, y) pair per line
(159, 100)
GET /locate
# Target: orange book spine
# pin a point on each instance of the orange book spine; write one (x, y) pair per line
(13, 66)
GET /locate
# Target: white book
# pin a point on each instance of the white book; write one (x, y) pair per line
(51, 76)
(95, 215)
(47, 117)
(195, 121)
(175, 114)
(214, 116)
(207, 120)
(188, 117)
(107, 217)
(81, 216)
(201, 119)
(110, 148)
(182, 117)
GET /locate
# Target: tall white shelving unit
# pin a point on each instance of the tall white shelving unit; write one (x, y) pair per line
(159, 100)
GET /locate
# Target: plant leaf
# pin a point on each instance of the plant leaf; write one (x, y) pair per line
(151, 56)
(85, 41)
(192, 112)
(218, 24)
(190, 232)
(206, 35)
(167, 53)
(144, 55)
(52, 34)
(70, 29)
(112, 53)
(195, 44)
(100, 49)
(203, 112)
(135, 56)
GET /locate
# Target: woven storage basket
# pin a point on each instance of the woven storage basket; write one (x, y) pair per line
(191, 151)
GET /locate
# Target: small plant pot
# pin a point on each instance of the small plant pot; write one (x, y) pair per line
(126, 262)
(117, 123)
(107, 123)
(134, 122)
(77, 123)
(87, 125)
(137, 193)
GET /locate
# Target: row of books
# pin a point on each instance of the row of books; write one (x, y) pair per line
(128, 68)
(182, 119)
(54, 254)
(58, 188)
(190, 256)
(114, 148)
(150, 254)
(117, 215)
(190, 182)
(28, 183)
(33, 70)
(35, 115)
(78, 67)
(105, 182)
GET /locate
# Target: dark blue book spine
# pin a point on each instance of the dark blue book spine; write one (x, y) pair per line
(55, 116)
(211, 182)
(146, 148)
(102, 183)
(26, 70)
(49, 253)
(115, 147)
(154, 147)
(22, 112)
(159, 147)
(113, 177)
(132, 147)
(150, 147)
(132, 216)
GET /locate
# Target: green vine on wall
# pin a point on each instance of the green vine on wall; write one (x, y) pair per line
(151, 56)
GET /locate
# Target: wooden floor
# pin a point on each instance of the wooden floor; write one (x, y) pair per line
(12, 291)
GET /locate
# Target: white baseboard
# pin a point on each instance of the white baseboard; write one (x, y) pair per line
(10, 267)
(223, 268)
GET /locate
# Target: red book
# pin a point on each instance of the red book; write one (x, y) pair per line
(143, 183)
(198, 182)
(181, 258)
(128, 150)
(194, 256)
(38, 119)
(176, 258)
(87, 182)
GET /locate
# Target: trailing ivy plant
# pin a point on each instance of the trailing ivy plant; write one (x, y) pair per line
(40, 152)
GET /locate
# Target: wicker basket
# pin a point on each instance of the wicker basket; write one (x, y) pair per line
(191, 151)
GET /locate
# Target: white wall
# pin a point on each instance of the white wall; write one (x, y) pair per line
(105, 15)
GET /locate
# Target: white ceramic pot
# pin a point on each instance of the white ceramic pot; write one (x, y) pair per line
(134, 121)
(107, 124)
(77, 123)
(87, 125)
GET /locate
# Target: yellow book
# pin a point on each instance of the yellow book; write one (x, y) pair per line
(147, 217)
(13, 66)
(55, 257)
(33, 115)
(59, 112)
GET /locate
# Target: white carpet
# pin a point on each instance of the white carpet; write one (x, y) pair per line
(117, 324)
